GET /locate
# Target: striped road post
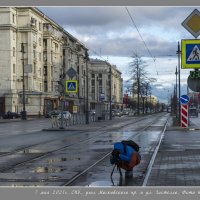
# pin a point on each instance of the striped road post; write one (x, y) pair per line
(184, 115)
(184, 99)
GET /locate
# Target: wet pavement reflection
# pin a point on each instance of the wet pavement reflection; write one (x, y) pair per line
(75, 154)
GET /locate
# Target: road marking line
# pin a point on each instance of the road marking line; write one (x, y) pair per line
(153, 158)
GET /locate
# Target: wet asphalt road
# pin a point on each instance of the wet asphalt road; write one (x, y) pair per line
(53, 158)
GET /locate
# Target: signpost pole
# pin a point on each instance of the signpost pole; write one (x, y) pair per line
(23, 86)
(179, 81)
(176, 73)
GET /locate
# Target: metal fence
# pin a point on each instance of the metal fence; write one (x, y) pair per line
(73, 120)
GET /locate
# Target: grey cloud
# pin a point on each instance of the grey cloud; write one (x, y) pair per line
(98, 23)
(83, 16)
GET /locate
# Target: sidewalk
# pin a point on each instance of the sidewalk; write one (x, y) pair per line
(178, 160)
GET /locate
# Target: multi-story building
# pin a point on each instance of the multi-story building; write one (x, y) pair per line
(37, 56)
(106, 86)
(117, 88)
(32, 42)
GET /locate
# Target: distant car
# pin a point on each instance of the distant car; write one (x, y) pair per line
(126, 112)
(193, 112)
(66, 115)
(117, 113)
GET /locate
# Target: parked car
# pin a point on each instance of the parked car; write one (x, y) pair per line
(10, 115)
(66, 115)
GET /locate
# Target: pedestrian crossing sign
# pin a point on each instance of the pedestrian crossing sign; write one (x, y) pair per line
(72, 86)
(190, 54)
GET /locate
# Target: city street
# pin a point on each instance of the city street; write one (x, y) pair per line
(31, 157)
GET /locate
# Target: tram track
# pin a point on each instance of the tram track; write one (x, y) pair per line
(99, 156)
(22, 151)
(107, 155)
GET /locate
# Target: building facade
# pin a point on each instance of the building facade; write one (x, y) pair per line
(37, 56)
(106, 86)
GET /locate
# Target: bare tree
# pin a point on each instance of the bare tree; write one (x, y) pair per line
(140, 79)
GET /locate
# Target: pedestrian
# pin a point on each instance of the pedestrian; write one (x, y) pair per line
(125, 156)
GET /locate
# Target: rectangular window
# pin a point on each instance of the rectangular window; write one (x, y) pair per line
(14, 51)
(93, 82)
(14, 69)
(100, 82)
(45, 70)
(34, 53)
(56, 47)
(40, 86)
(40, 56)
(45, 43)
(45, 86)
(13, 18)
(100, 90)
(34, 68)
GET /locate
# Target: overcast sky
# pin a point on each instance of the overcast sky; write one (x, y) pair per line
(110, 34)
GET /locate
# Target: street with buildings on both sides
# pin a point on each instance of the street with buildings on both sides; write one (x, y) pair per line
(48, 70)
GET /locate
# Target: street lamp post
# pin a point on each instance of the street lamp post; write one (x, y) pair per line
(176, 73)
(23, 87)
(87, 89)
(62, 92)
(110, 92)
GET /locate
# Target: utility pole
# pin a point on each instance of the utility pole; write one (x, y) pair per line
(23, 113)
(138, 88)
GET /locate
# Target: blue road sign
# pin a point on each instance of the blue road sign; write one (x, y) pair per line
(102, 97)
(72, 86)
(184, 99)
(192, 53)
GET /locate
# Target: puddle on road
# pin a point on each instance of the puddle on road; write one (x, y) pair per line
(48, 169)
(27, 151)
(62, 159)
(103, 141)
